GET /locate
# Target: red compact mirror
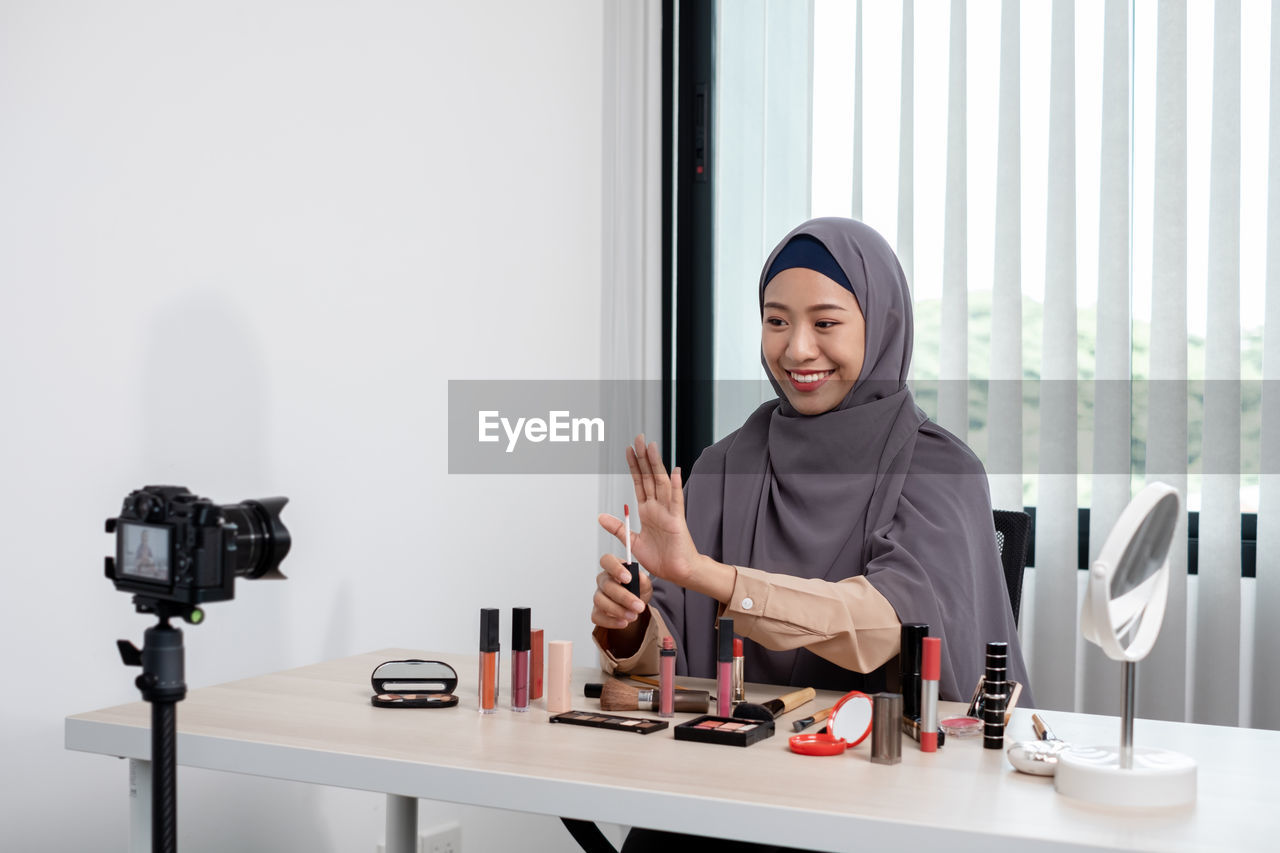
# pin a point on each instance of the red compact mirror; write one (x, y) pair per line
(848, 726)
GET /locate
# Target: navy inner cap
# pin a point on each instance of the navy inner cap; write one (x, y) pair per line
(807, 251)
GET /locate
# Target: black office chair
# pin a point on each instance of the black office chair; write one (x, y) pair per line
(1013, 537)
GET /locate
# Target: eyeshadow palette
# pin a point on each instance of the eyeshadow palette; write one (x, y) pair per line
(638, 725)
(727, 730)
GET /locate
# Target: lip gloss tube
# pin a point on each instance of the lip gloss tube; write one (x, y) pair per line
(724, 668)
(667, 678)
(633, 585)
(930, 672)
(739, 686)
(520, 619)
(489, 648)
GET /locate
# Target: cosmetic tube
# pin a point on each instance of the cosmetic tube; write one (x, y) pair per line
(489, 648)
(930, 671)
(739, 686)
(909, 667)
(667, 678)
(520, 619)
(536, 666)
(724, 668)
(633, 583)
(886, 731)
(559, 676)
(995, 695)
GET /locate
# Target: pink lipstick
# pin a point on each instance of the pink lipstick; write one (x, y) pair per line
(724, 668)
(667, 678)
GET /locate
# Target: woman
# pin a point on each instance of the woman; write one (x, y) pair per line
(833, 515)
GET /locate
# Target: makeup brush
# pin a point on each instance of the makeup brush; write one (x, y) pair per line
(774, 708)
(644, 679)
(802, 724)
(593, 689)
(619, 696)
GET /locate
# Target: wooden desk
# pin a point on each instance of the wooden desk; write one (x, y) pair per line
(315, 724)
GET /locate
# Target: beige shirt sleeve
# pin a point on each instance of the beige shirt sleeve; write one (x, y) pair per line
(848, 622)
(645, 660)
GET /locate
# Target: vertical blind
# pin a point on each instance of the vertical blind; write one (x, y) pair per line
(1076, 249)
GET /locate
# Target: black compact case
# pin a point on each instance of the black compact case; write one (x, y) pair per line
(414, 684)
(730, 731)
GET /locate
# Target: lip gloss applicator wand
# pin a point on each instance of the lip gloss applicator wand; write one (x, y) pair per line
(633, 583)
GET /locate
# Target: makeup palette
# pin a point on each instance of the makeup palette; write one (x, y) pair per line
(414, 700)
(638, 725)
(726, 730)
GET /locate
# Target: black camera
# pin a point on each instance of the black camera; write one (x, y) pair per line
(173, 546)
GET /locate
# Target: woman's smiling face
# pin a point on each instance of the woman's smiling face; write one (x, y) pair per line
(813, 337)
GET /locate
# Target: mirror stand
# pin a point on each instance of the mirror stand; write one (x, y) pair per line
(1126, 775)
(1126, 721)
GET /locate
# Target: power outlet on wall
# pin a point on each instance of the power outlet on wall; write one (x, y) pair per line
(445, 838)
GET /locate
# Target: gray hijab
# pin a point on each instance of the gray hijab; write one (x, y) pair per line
(870, 488)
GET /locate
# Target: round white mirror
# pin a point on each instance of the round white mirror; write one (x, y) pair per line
(850, 719)
(1129, 582)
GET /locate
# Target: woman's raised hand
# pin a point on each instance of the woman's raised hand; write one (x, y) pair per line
(663, 545)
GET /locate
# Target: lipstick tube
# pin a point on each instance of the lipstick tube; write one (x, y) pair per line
(520, 639)
(724, 668)
(930, 672)
(995, 695)
(909, 667)
(739, 685)
(886, 733)
(489, 649)
(559, 675)
(667, 678)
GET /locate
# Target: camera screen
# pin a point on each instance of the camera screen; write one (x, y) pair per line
(144, 552)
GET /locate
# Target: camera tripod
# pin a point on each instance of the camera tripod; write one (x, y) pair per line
(162, 684)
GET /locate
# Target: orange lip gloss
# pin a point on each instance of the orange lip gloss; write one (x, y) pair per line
(489, 648)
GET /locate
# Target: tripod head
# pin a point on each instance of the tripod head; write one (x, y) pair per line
(162, 655)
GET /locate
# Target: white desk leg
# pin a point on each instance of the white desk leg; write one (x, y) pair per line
(139, 806)
(402, 824)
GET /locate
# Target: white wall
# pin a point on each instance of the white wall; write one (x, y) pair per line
(243, 248)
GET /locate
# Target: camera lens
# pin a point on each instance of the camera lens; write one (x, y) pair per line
(262, 540)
